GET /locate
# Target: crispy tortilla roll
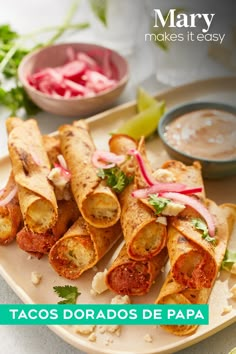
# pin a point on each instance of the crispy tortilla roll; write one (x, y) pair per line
(97, 202)
(144, 236)
(192, 258)
(31, 167)
(81, 248)
(10, 213)
(41, 243)
(52, 146)
(190, 175)
(175, 293)
(120, 144)
(129, 277)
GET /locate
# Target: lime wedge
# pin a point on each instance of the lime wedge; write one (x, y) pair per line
(144, 99)
(144, 123)
(232, 351)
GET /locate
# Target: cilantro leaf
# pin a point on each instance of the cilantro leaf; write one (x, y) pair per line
(16, 98)
(68, 293)
(200, 225)
(158, 203)
(229, 260)
(7, 34)
(115, 178)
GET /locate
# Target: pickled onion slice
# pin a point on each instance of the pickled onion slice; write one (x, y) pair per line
(195, 204)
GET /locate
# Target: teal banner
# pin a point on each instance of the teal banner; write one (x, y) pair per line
(103, 314)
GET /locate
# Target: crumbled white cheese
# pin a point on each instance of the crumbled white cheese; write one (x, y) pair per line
(163, 175)
(61, 183)
(57, 178)
(115, 329)
(84, 329)
(233, 269)
(227, 309)
(99, 282)
(108, 341)
(148, 338)
(102, 329)
(118, 299)
(92, 337)
(36, 278)
(173, 209)
(233, 291)
(162, 220)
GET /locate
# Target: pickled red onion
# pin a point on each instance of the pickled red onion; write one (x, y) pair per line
(149, 179)
(195, 204)
(191, 190)
(157, 188)
(106, 159)
(9, 196)
(64, 172)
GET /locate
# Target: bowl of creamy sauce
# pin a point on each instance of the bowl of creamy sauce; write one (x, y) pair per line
(204, 132)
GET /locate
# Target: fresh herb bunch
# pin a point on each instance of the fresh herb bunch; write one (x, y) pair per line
(115, 178)
(13, 50)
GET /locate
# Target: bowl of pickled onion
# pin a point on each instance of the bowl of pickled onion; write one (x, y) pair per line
(74, 79)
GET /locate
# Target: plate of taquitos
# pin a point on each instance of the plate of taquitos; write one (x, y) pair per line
(16, 265)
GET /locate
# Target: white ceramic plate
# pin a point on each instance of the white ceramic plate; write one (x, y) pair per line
(16, 267)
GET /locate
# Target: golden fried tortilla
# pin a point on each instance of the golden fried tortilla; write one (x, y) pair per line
(97, 203)
(174, 293)
(31, 166)
(81, 248)
(129, 277)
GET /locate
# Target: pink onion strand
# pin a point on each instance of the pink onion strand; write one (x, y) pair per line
(9, 196)
(106, 159)
(195, 204)
(149, 179)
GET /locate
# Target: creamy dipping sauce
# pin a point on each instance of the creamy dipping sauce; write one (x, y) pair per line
(206, 133)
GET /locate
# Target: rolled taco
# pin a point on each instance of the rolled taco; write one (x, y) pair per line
(192, 258)
(129, 277)
(31, 166)
(174, 293)
(144, 236)
(10, 214)
(97, 203)
(39, 244)
(81, 248)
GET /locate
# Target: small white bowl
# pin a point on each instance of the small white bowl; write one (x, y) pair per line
(56, 55)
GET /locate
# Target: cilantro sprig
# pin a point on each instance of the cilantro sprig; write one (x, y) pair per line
(115, 178)
(68, 292)
(158, 203)
(229, 260)
(200, 225)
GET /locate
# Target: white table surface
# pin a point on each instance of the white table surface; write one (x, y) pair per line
(26, 15)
